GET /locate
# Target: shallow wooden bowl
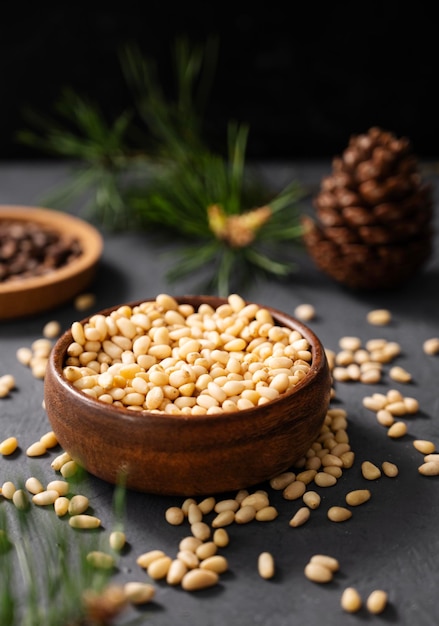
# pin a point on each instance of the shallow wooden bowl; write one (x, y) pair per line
(180, 455)
(30, 296)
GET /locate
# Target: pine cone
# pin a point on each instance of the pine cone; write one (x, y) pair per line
(374, 214)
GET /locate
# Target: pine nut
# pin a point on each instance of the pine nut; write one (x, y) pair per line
(424, 446)
(318, 573)
(397, 430)
(49, 439)
(206, 550)
(61, 506)
(61, 486)
(430, 468)
(294, 490)
(323, 479)
(207, 505)
(216, 563)
(266, 565)
(158, 568)
(370, 471)
(36, 449)
(357, 497)
(225, 518)
(300, 517)
(267, 514)
(43, 498)
(100, 560)
(245, 514)
(282, 480)
(327, 561)
(8, 446)
(197, 579)
(174, 515)
(144, 560)
(33, 485)
(377, 601)
(60, 460)
(189, 558)
(221, 537)
(201, 530)
(385, 418)
(78, 504)
(176, 571)
(117, 540)
(399, 374)
(139, 593)
(20, 499)
(312, 499)
(69, 469)
(379, 317)
(339, 514)
(84, 521)
(351, 600)
(226, 505)
(8, 489)
(431, 346)
(390, 469)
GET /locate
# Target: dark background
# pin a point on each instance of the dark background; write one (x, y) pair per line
(304, 78)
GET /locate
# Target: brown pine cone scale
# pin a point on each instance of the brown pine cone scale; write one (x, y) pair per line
(373, 222)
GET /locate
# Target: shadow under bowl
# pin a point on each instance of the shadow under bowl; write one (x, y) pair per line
(189, 455)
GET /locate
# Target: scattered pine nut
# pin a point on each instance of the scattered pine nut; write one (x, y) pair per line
(312, 499)
(52, 329)
(139, 593)
(78, 504)
(100, 560)
(397, 430)
(339, 514)
(379, 317)
(370, 471)
(216, 563)
(49, 439)
(198, 578)
(300, 517)
(377, 601)
(430, 468)
(144, 560)
(327, 561)
(357, 497)
(36, 449)
(431, 346)
(221, 537)
(69, 469)
(8, 489)
(424, 446)
(33, 485)
(117, 540)
(174, 515)
(267, 514)
(266, 565)
(351, 600)
(8, 446)
(20, 499)
(318, 573)
(400, 375)
(84, 301)
(158, 568)
(61, 506)
(84, 521)
(176, 571)
(44, 498)
(390, 469)
(305, 312)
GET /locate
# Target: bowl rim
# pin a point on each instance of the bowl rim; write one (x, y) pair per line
(89, 237)
(113, 413)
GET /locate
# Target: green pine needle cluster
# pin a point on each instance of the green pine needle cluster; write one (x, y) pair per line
(170, 179)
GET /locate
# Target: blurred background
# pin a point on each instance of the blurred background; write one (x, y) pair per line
(304, 80)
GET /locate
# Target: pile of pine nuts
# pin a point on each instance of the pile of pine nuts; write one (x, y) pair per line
(167, 357)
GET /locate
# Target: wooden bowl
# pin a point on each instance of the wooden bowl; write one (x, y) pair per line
(29, 296)
(181, 455)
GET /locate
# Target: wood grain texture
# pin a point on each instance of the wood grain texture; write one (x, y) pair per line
(181, 455)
